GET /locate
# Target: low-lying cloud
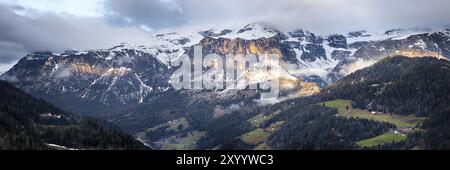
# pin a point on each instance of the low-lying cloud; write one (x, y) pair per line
(356, 65)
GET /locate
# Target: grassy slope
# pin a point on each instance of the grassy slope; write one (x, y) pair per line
(388, 137)
(184, 143)
(255, 137)
(385, 138)
(399, 121)
(259, 136)
(182, 139)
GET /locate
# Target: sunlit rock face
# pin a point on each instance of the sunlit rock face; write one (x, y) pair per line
(277, 45)
(223, 46)
(420, 53)
(308, 89)
(298, 87)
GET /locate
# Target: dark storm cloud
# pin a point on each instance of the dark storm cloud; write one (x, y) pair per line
(157, 13)
(9, 51)
(22, 34)
(319, 16)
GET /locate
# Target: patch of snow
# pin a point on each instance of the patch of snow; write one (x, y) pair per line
(4, 67)
(397, 34)
(420, 44)
(251, 32)
(405, 33)
(169, 48)
(34, 57)
(320, 67)
(81, 53)
(50, 115)
(59, 146)
(143, 88)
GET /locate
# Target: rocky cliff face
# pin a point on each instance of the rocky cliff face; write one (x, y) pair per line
(105, 76)
(223, 46)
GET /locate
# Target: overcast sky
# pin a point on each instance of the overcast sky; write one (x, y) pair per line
(57, 25)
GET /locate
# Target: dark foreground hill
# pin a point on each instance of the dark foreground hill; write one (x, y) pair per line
(29, 123)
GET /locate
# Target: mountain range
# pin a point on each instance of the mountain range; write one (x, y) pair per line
(129, 86)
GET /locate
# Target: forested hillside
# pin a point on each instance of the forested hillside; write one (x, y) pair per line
(29, 123)
(403, 86)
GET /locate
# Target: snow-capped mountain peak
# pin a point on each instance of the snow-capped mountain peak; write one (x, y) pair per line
(251, 32)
